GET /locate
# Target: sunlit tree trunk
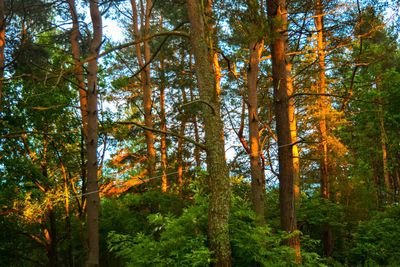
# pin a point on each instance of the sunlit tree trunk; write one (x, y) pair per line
(277, 15)
(93, 200)
(293, 134)
(164, 184)
(216, 164)
(322, 123)
(256, 168)
(146, 81)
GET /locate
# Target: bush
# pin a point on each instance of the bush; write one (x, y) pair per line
(377, 241)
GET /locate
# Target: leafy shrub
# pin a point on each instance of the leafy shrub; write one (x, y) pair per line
(174, 242)
(377, 241)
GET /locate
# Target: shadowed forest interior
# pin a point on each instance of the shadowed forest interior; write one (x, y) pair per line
(199, 133)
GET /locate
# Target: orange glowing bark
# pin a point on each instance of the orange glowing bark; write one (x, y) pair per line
(293, 134)
(164, 184)
(218, 75)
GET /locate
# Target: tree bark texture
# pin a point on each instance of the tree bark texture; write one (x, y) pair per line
(277, 16)
(257, 170)
(145, 78)
(93, 200)
(216, 164)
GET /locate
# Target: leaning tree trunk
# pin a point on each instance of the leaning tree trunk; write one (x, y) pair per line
(216, 164)
(93, 200)
(277, 15)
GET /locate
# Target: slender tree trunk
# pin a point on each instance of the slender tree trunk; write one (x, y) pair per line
(83, 170)
(78, 67)
(277, 15)
(146, 81)
(293, 134)
(180, 142)
(322, 123)
(180, 157)
(147, 101)
(216, 164)
(93, 200)
(164, 185)
(256, 168)
(2, 45)
(79, 75)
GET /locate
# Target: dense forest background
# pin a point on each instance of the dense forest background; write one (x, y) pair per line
(214, 133)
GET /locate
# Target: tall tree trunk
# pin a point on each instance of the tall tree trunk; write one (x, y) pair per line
(93, 200)
(322, 123)
(277, 15)
(216, 164)
(164, 185)
(180, 142)
(79, 75)
(2, 44)
(76, 55)
(256, 168)
(146, 81)
(293, 134)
